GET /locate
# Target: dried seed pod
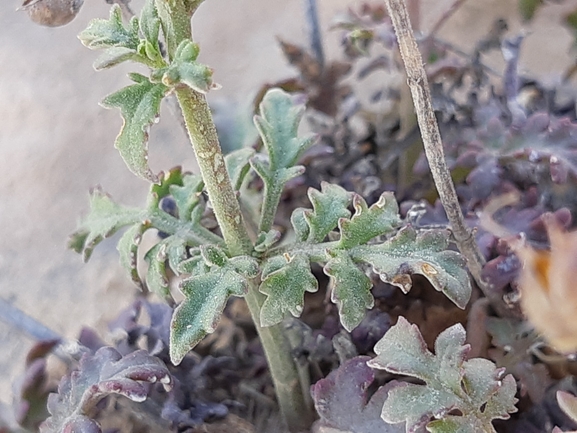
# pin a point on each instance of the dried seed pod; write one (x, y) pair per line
(52, 13)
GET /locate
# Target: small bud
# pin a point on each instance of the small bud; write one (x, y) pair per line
(52, 13)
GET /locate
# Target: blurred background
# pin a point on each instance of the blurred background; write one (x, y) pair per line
(56, 142)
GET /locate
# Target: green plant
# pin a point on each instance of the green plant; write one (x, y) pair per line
(271, 273)
(229, 243)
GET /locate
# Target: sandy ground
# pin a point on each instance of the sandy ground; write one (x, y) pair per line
(56, 142)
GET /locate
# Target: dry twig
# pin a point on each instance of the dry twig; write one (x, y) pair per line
(418, 83)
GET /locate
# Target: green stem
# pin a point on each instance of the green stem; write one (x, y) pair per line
(193, 233)
(202, 134)
(175, 20)
(315, 252)
(269, 206)
(287, 381)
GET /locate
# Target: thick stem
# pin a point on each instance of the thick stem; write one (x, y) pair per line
(298, 414)
(175, 21)
(202, 134)
(284, 372)
(418, 83)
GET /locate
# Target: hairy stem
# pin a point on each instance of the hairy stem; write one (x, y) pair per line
(196, 234)
(202, 134)
(418, 83)
(287, 382)
(269, 206)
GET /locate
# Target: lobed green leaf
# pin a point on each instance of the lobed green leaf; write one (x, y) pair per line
(416, 404)
(128, 250)
(423, 253)
(105, 218)
(102, 33)
(285, 280)
(114, 56)
(350, 289)
(394, 259)
(367, 223)
(172, 250)
(266, 240)
(186, 70)
(238, 165)
(330, 204)
(156, 279)
(187, 196)
(150, 24)
(177, 218)
(278, 126)
(452, 425)
(205, 299)
(473, 387)
(139, 105)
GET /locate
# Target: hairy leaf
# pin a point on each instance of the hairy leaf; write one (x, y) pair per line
(350, 289)
(158, 191)
(329, 205)
(175, 22)
(120, 43)
(171, 250)
(174, 208)
(393, 259)
(277, 125)
(285, 280)
(186, 70)
(140, 106)
(106, 372)
(114, 56)
(150, 25)
(205, 299)
(368, 223)
(238, 165)
(266, 240)
(474, 387)
(300, 224)
(343, 404)
(128, 250)
(102, 33)
(105, 219)
(187, 196)
(422, 253)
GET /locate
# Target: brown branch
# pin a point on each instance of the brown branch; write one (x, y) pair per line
(418, 83)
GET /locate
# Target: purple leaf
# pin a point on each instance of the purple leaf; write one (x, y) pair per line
(343, 402)
(106, 372)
